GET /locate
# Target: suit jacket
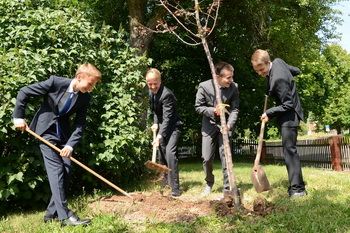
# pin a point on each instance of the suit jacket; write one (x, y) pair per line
(52, 91)
(206, 102)
(281, 85)
(163, 105)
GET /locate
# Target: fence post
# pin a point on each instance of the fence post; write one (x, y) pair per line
(263, 152)
(335, 152)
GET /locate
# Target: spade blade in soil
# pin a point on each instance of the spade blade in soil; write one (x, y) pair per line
(232, 194)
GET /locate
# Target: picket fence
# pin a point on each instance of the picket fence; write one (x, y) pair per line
(331, 153)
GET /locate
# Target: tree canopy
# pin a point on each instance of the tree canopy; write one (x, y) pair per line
(289, 30)
(325, 85)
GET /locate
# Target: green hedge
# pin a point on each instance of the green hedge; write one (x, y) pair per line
(37, 42)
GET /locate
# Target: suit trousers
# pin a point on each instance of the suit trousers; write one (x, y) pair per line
(168, 157)
(292, 159)
(209, 146)
(58, 172)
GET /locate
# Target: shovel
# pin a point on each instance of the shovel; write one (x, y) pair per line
(79, 163)
(152, 164)
(257, 173)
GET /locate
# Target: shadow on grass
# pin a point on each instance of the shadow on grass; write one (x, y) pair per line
(12, 211)
(189, 165)
(187, 185)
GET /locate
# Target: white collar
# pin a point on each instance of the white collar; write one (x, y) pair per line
(70, 88)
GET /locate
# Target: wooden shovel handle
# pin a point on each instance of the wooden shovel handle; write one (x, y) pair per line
(260, 143)
(79, 163)
(265, 103)
(261, 137)
(154, 152)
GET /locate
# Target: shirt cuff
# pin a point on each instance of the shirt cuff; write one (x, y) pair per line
(18, 121)
(69, 147)
(159, 136)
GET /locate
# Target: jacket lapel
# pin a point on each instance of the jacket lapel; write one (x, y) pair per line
(269, 79)
(158, 95)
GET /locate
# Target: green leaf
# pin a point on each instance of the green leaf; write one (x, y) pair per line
(18, 176)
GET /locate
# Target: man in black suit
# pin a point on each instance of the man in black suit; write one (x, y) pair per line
(281, 85)
(166, 118)
(206, 105)
(62, 97)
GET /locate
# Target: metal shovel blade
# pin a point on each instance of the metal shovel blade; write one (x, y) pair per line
(157, 167)
(152, 164)
(259, 179)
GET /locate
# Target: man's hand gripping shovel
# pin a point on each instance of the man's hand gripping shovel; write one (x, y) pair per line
(152, 164)
(257, 173)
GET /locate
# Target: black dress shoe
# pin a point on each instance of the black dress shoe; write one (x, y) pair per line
(175, 193)
(75, 221)
(294, 194)
(50, 218)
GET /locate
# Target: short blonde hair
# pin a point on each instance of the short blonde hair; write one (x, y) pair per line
(260, 57)
(90, 70)
(155, 72)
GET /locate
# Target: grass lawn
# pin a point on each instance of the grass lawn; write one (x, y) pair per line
(325, 209)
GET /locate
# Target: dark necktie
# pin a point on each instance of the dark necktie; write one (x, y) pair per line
(153, 101)
(67, 104)
(222, 94)
(66, 107)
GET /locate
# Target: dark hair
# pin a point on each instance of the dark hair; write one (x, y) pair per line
(222, 65)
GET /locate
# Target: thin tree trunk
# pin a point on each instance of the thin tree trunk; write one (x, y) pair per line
(227, 149)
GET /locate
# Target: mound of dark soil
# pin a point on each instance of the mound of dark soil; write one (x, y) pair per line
(155, 207)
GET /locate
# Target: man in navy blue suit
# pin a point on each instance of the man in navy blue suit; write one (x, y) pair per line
(288, 112)
(62, 98)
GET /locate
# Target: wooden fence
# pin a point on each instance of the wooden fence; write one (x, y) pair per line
(329, 152)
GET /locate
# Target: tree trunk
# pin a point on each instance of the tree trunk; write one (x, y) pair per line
(227, 148)
(140, 35)
(338, 128)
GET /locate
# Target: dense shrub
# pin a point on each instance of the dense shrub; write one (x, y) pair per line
(37, 42)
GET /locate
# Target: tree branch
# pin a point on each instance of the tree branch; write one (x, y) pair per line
(153, 22)
(178, 21)
(215, 18)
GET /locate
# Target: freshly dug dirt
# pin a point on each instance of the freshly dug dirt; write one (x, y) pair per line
(156, 207)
